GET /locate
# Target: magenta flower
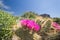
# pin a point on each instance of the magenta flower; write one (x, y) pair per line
(30, 24)
(56, 25)
(23, 22)
(36, 27)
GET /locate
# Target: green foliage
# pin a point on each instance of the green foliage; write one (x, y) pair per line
(30, 15)
(6, 22)
(56, 20)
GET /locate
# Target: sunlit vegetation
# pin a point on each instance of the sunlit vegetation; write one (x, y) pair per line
(57, 20)
(7, 21)
(29, 15)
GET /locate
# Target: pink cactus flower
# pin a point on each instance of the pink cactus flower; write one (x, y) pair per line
(24, 22)
(30, 24)
(56, 25)
(36, 27)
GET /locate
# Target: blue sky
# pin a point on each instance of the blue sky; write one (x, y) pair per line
(18, 7)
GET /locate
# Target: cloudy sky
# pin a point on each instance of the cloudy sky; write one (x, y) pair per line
(18, 7)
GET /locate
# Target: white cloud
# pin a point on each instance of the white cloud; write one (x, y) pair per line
(11, 12)
(2, 5)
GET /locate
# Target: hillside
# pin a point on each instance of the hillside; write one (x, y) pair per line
(11, 28)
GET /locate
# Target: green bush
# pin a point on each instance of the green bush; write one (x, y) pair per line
(56, 20)
(6, 22)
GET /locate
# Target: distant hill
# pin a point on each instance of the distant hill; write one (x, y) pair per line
(45, 15)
